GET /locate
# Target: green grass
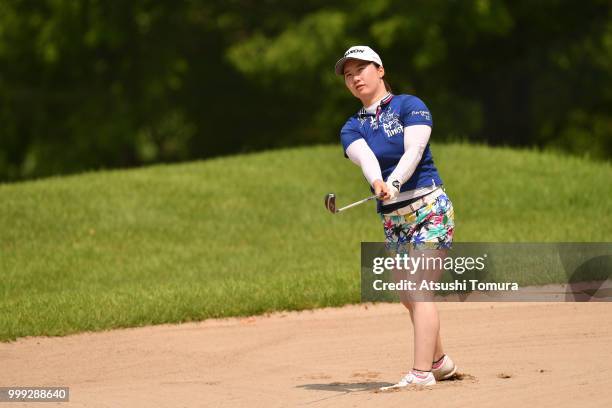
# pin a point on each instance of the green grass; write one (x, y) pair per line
(249, 234)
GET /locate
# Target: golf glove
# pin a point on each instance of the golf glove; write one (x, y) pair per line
(394, 188)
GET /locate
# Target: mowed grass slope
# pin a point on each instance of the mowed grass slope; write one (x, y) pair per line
(249, 234)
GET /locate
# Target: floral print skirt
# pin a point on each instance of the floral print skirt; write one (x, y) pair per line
(430, 227)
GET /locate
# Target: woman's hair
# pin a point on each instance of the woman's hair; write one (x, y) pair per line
(387, 86)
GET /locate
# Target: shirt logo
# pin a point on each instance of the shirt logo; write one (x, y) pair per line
(373, 122)
(423, 113)
(391, 123)
(389, 120)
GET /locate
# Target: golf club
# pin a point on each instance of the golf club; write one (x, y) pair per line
(330, 203)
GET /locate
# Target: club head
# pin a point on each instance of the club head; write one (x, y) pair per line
(330, 202)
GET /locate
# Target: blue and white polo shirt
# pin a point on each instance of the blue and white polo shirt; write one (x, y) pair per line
(383, 131)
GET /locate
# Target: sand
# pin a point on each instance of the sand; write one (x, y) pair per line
(509, 354)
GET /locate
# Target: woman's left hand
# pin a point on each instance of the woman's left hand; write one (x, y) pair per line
(393, 186)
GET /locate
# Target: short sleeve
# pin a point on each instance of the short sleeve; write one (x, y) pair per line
(348, 135)
(415, 112)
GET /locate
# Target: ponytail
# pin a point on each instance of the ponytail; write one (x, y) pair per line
(387, 86)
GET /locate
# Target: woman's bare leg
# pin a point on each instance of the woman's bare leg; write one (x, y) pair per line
(426, 331)
(439, 350)
(424, 313)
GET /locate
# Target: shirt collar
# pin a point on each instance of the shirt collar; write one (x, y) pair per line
(371, 110)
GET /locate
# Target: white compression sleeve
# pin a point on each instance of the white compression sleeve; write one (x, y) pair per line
(360, 153)
(416, 138)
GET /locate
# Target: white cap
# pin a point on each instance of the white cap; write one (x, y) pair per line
(360, 52)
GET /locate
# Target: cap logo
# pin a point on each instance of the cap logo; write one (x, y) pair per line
(353, 51)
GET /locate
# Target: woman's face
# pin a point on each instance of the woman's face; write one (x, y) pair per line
(363, 78)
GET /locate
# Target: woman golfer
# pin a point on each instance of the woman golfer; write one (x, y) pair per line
(389, 139)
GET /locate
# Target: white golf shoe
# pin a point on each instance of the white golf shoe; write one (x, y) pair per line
(411, 379)
(446, 370)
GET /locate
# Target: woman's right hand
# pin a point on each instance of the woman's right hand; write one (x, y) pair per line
(381, 190)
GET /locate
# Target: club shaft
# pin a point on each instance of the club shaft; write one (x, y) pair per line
(357, 203)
